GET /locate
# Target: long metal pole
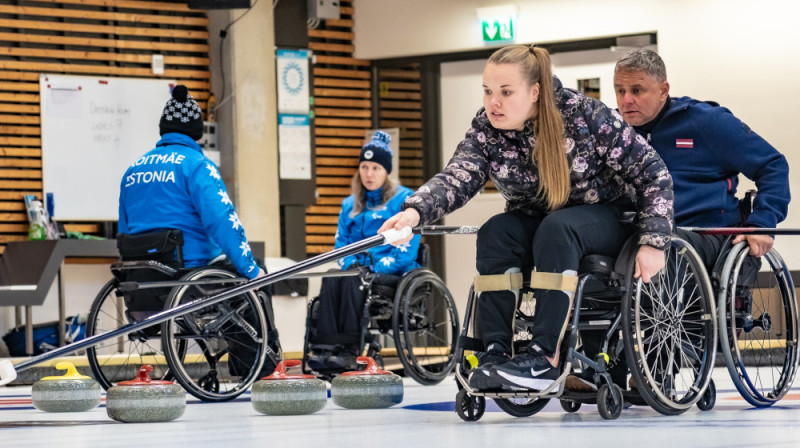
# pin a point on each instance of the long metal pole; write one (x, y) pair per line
(463, 230)
(203, 302)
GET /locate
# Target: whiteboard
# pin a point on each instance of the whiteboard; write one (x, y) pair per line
(92, 130)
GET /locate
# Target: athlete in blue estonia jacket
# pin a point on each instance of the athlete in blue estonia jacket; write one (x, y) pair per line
(174, 186)
(705, 148)
(385, 259)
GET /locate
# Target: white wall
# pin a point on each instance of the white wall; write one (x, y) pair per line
(742, 54)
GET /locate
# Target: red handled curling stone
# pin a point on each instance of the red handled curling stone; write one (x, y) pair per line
(367, 389)
(282, 394)
(71, 392)
(143, 400)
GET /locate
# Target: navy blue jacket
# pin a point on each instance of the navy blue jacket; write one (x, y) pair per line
(174, 186)
(385, 259)
(705, 148)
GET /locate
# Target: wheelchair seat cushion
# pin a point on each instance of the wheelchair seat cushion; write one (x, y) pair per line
(596, 264)
(385, 285)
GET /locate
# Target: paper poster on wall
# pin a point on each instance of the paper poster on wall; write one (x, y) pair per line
(294, 143)
(293, 76)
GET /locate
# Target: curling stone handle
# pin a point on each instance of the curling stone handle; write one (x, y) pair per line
(143, 376)
(393, 235)
(372, 367)
(7, 372)
(280, 369)
(69, 367)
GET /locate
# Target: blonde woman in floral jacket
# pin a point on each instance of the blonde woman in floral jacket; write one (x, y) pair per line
(568, 167)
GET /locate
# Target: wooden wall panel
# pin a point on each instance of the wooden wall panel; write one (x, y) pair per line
(342, 109)
(343, 101)
(82, 37)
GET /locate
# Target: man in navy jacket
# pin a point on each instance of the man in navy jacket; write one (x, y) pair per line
(705, 148)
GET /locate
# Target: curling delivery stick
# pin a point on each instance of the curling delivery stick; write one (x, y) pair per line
(8, 371)
(465, 230)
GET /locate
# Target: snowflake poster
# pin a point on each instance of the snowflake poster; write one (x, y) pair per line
(292, 74)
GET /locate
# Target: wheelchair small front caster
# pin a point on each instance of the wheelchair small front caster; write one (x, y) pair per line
(570, 406)
(709, 398)
(469, 408)
(609, 401)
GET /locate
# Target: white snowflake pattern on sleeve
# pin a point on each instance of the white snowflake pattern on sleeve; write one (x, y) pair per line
(376, 216)
(225, 198)
(234, 218)
(212, 171)
(404, 247)
(245, 248)
(387, 261)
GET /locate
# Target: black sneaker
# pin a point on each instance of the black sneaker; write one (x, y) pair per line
(317, 362)
(480, 376)
(529, 369)
(343, 361)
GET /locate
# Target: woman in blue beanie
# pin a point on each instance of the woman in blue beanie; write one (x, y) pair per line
(375, 197)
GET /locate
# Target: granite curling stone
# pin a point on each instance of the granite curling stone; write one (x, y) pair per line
(71, 392)
(367, 389)
(282, 394)
(143, 400)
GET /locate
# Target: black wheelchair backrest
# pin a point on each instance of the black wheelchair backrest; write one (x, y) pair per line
(163, 246)
(424, 255)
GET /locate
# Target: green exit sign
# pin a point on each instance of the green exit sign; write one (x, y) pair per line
(497, 29)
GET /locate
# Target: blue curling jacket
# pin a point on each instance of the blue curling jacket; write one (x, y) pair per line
(174, 186)
(705, 148)
(385, 259)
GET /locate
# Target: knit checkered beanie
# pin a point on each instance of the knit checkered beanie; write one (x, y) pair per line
(377, 150)
(182, 115)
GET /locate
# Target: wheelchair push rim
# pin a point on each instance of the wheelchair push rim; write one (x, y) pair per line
(758, 326)
(669, 327)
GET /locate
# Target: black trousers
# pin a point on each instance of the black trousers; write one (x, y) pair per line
(551, 243)
(339, 311)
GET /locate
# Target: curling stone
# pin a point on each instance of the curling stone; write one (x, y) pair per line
(282, 394)
(142, 400)
(71, 392)
(367, 389)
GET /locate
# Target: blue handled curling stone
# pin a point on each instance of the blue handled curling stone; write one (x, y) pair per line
(142, 400)
(367, 389)
(71, 392)
(282, 394)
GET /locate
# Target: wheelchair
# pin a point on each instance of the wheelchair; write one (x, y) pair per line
(665, 330)
(758, 323)
(215, 353)
(415, 310)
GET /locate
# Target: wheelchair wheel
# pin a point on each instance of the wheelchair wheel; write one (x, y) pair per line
(669, 331)
(570, 406)
(609, 401)
(119, 359)
(757, 314)
(709, 399)
(521, 407)
(425, 327)
(197, 344)
(469, 408)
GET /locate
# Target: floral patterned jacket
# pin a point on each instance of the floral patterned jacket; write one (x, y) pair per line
(609, 162)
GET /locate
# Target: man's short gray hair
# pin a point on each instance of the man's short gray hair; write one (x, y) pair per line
(643, 60)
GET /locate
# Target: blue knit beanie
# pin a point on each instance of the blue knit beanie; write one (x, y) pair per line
(377, 150)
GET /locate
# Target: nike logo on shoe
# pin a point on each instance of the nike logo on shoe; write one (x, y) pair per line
(536, 373)
(529, 383)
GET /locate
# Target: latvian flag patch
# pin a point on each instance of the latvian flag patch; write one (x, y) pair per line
(684, 143)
